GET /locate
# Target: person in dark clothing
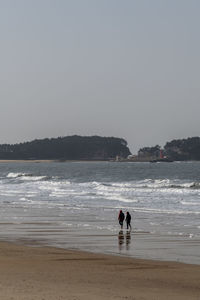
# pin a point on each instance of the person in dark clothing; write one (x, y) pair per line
(128, 220)
(121, 218)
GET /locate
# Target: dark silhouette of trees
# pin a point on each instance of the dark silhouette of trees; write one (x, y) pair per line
(184, 149)
(67, 148)
(180, 149)
(150, 151)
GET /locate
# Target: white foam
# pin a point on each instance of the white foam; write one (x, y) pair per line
(165, 211)
(14, 175)
(121, 199)
(32, 178)
(189, 203)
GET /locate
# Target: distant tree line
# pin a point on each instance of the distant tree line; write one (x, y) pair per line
(150, 151)
(67, 148)
(184, 149)
(180, 149)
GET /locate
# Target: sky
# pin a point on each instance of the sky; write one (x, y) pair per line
(123, 68)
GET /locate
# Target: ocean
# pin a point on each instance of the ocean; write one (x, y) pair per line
(75, 205)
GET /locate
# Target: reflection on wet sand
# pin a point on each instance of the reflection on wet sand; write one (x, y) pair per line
(128, 240)
(122, 237)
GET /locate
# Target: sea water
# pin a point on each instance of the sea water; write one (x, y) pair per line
(75, 205)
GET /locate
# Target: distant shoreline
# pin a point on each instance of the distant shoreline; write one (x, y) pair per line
(47, 160)
(25, 160)
(79, 160)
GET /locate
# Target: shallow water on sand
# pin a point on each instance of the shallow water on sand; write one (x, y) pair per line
(76, 204)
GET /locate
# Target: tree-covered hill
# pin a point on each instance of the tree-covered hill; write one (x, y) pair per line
(180, 149)
(184, 149)
(67, 148)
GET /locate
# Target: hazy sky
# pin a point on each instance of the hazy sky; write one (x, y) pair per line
(125, 68)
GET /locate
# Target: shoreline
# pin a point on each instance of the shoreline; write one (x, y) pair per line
(47, 160)
(25, 160)
(136, 245)
(85, 160)
(51, 273)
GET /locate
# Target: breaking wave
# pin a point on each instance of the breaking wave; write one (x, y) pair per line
(117, 187)
(27, 176)
(145, 184)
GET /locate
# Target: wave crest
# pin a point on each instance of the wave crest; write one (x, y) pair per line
(26, 176)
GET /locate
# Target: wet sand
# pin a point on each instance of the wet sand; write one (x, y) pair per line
(48, 273)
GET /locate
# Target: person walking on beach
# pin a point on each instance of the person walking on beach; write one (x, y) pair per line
(121, 218)
(128, 220)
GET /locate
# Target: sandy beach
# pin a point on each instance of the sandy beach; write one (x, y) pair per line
(47, 273)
